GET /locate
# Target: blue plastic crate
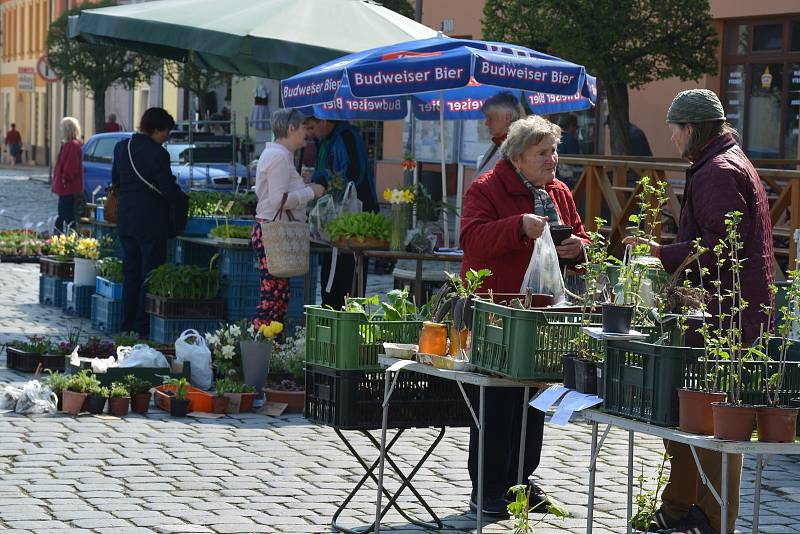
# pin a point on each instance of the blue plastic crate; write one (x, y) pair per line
(166, 331)
(51, 291)
(106, 314)
(201, 226)
(241, 299)
(80, 303)
(100, 214)
(172, 248)
(108, 289)
(238, 265)
(194, 254)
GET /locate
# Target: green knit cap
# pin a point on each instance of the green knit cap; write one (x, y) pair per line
(696, 105)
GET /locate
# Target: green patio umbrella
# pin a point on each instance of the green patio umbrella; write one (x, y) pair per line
(268, 38)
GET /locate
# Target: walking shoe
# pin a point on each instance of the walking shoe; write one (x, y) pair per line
(662, 521)
(695, 522)
(492, 506)
(537, 500)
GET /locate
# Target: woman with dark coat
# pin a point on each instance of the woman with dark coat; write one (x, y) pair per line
(143, 217)
(68, 174)
(720, 180)
(505, 211)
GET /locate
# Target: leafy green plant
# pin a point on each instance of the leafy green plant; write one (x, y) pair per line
(118, 390)
(129, 339)
(209, 204)
(647, 499)
(360, 226)
(36, 344)
(83, 382)
(183, 282)
(398, 307)
(454, 298)
(137, 386)
(58, 382)
(222, 385)
(519, 509)
(181, 386)
(231, 232)
(101, 391)
(110, 269)
(289, 356)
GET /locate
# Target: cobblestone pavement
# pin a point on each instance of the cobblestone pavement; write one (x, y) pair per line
(25, 198)
(252, 473)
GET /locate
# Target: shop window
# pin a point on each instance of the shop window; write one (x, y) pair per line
(794, 43)
(791, 130)
(767, 37)
(733, 95)
(736, 39)
(764, 110)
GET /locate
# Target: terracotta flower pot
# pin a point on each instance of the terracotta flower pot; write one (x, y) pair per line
(219, 404)
(73, 402)
(694, 411)
(247, 402)
(295, 400)
(234, 402)
(732, 422)
(776, 424)
(140, 402)
(118, 405)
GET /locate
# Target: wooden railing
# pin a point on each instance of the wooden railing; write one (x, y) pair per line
(606, 187)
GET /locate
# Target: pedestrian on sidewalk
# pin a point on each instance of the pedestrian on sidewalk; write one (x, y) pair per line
(720, 180)
(14, 143)
(112, 125)
(68, 175)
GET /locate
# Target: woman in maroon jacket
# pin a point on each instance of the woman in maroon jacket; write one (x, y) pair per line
(505, 211)
(68, 174)
(720, 180)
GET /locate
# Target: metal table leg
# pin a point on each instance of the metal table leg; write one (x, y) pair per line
(387, 393)
(761, 462)
(359, 279)
(723, 505)
(592, 470)
(481, 427)
(630, 482)
(522, 435)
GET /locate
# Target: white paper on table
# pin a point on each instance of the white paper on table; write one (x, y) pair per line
(572, 402)
(546, 398)
(396, 366)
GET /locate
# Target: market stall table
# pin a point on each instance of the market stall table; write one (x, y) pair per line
(762, 451)
(395, 366)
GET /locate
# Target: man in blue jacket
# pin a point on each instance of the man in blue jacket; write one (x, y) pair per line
(341, 153)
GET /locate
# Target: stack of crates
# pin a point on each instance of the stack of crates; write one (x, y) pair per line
(51, 281)
(106, 313)
(78, 300)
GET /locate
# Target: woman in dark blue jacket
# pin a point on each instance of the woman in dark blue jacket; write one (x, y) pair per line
(143, 220)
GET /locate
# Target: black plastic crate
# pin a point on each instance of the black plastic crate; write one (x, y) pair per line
(352, 400)
(28, 362)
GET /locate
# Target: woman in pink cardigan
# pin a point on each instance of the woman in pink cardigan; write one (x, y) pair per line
(277, 175)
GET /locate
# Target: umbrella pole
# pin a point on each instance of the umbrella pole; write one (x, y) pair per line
(459, 203)
(444, 170)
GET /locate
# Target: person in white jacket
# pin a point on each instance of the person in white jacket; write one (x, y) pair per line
(499, 111)
(276, 177)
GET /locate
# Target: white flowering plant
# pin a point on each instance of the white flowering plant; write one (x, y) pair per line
(289, 357)
(224, 343)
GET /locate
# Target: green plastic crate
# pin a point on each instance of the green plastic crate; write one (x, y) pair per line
(525, 344)
(347, 341)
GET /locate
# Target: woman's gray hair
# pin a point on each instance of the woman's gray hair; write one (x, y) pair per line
(526, 133)
(505, 101)
(283, 118)
(70, 129)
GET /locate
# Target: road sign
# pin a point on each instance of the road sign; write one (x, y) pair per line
(25, 81)
(44, 71)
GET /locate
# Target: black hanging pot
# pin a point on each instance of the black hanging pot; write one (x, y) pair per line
(585, 376)
(617, 319)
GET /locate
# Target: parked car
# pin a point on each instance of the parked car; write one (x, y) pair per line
(210, 170)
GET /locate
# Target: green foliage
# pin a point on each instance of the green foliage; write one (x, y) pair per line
(118, 390)
(83, 382)
(183, 282)
(37, 344)
(191, 75)
(137, 386)
(58, 382)
(207, 204)
(129, 339)
(519, 510)
(289, 356)
(110, 269)
(181, 386)
(227, 231)
(625, 43)
(400, 6)
(398, 307)
(95, 67)
(222, 385)
(360, 226)
(647, 499)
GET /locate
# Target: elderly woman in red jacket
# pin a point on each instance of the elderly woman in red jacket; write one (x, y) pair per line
(505, 211)
(68, 174)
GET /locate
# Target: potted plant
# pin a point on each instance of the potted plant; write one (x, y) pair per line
(109, 278)
(86, 253)
(57, 382)
(220, 401)
(97, 400)
(75, 396)
(733, 420)
(400, 200)
(27, 355)
(62, 264)
(184, 291)
(179, 404)
(360, 230)
(776, 423)
(618, 315)
(139, 391)
(454, 301)
(119, 399)
(288, 360)
(248, 396)
(225, 345)
(256, 350)
(234, 396)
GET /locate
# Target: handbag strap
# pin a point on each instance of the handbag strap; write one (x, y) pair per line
(281, 210)
(148, 184)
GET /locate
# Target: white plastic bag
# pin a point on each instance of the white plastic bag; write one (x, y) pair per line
(543, 274)
(142, 356)
(323, 212)
(350, 202)
(9, 397)
(191, 347)
(36, 399)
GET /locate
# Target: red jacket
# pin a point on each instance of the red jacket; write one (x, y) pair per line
(68, 172)
(491, 225)
(13, 137)
(723, 180)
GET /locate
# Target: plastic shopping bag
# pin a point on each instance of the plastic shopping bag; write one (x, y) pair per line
(191, 347)
(323, 212)
(350, 202)
(35, 399)
(543, 274)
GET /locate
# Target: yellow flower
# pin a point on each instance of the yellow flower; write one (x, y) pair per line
(277, 327)
(408, 196)
(387, 195)
(265, 331)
